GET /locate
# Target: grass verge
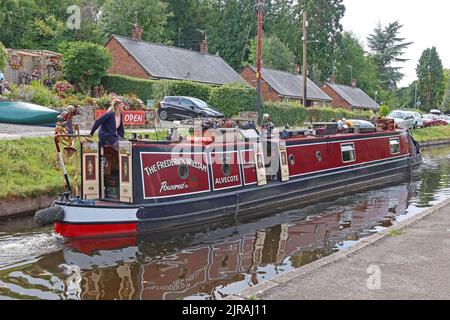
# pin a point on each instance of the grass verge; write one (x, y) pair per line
(432, 134)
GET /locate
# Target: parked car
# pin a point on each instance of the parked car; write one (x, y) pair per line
(432, 120)
(435, 111)
(182, 108)
(403, 119)
(418, 120)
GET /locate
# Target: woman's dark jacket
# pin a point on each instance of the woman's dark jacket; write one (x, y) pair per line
(108, 133)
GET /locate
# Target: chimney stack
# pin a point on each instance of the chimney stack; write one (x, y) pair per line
(354, 83)
(332, 79)
(296, 69)
(204, 46)
(137, 32)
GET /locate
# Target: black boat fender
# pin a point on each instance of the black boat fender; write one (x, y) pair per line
(49, 216)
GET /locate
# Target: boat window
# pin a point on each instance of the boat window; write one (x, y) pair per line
(395, 145)
(183, 171)
(319, 156)
(226, 169)
(291, 159)
(348, 152)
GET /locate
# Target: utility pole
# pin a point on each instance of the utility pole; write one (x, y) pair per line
(415, 96)
(305, 56)
(260, 8)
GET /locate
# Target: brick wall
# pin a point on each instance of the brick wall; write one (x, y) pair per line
(337, 102)
(123, 63)
(267, 92)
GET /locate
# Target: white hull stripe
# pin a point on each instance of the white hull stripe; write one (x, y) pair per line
(96, 215)
(341, 141)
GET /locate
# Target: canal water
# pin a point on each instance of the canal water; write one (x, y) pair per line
(210, 263)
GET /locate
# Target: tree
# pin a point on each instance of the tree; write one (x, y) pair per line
(445, 106)
(387, 48)
(353, 62)
(275, 54)
(3, 57)
(431, 79)
(85, 63)
(118, 16)
(230, 25)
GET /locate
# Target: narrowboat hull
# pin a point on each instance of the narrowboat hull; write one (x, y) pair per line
(146, 215)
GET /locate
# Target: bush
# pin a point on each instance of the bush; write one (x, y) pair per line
(384, 111)
(328, 114)
(232, 99)
(281, 113)
(85, 63)
(181, 88)
(3, 57)
(126, 85)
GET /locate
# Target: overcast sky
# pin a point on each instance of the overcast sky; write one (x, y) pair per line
(426, 23)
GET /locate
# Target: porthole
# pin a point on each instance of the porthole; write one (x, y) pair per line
(226, 169)
(292, 160)
(319, 156)
(183, 171)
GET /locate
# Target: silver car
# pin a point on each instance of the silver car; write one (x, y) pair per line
(418, 120)
(403, 119)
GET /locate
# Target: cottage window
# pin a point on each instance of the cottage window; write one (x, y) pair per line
(395, 145)
(348, 152)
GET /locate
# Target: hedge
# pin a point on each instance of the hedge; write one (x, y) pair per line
(232, 99)
(123, 85)
(295, 114)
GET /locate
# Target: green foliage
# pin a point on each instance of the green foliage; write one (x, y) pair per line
(431, 79)
(232, 99)
(387, 48)
(42, 95)
(275, 54)
(384, 111)
(432, 134)
(184, 88)
(353, 62)
(3, 57)
(328, 114)
(123, 85)
(151, 16)
(25, 162)
(85, 63)
(282, 114)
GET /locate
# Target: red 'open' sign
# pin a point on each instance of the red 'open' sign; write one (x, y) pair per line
(129, 117)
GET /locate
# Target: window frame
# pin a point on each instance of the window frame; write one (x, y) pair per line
(399, 146)
(352, 144)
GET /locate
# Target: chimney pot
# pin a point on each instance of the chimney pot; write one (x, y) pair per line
(332, 79)
(137, 32)
(204, 46)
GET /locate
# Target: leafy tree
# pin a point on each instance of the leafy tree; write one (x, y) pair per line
(118, 16)
(3, 56)
(352, 61)
(44, 34)
(275, 54)
(387, 48)
(85, 63)
(324, 33)
(445, 106)
(185, 22)
(230, 25)
(431, 79)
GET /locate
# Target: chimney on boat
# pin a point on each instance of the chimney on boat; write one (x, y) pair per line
(137, 32)
(354, 83)
(296, 69)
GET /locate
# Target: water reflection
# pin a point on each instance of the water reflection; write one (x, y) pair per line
(209, 264)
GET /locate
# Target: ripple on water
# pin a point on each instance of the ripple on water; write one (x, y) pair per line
(17, 247)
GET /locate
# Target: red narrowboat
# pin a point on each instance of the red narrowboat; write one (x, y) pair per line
(224, 173)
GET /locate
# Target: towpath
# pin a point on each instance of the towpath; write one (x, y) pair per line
(410, 260)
